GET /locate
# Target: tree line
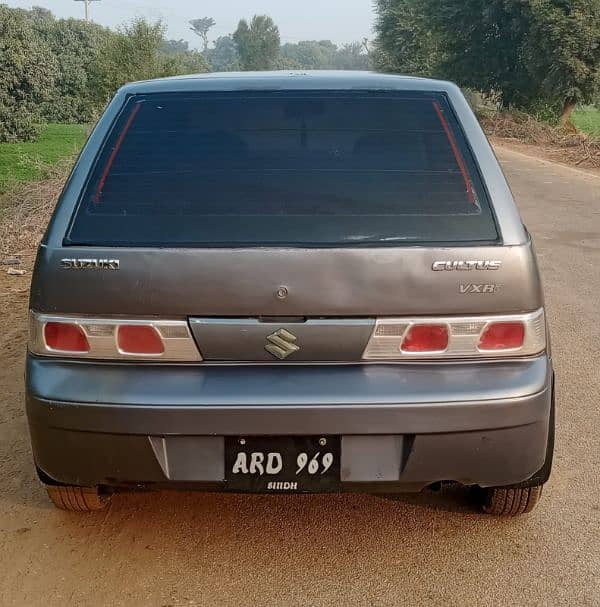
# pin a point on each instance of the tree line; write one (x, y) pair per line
(536, 55)
(256, 45)
(66, 70)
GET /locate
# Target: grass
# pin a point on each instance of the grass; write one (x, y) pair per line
(587, 119)
(31, 160)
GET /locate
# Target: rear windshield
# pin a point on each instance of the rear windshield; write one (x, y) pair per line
(316, 168)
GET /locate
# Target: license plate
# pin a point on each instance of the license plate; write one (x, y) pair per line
(287, 464)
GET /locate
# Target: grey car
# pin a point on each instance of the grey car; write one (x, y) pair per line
(286, 283)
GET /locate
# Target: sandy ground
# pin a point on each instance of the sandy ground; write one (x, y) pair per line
(170, 549)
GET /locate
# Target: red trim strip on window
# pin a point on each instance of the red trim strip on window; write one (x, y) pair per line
(456, 151)
(114, 152)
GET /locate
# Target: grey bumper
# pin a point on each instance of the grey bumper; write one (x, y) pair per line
(403, 426)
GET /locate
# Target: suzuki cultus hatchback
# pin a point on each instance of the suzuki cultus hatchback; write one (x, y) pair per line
(284, 282)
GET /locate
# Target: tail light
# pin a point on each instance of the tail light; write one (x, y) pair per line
(425, 338)
(502, 336)
(166, 340)
(457, 337)
(65, 337)
(392, 339)
(139, 339)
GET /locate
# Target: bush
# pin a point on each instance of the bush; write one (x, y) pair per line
(136, 52)
(27, 74)
(66, 70)
(561, 143)
(223, 57)
(483, 104)
(77, 46)
(531, 51)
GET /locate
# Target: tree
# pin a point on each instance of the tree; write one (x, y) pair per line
(27, 73)
(201, 27)
(65, 70)
(352, 56)
(565, 50)
(405, 43)
(310, 54)
(181, 59)
(40, 15)
(325, 55)
(134, 52)
(258, 43)
(76, 45)
(223, 57)
(172, 47)
(531, 51)
(188, 62)
(484, 48)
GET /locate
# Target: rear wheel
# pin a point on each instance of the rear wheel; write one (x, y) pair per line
(510, 501)
(77, 499)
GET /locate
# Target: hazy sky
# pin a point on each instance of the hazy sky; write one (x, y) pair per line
(337, 20)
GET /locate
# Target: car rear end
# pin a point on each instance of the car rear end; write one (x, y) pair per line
(275, 283)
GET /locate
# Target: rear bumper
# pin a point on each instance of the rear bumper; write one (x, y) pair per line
(403, 426)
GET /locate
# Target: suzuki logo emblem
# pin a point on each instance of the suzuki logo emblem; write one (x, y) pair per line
(281, 344)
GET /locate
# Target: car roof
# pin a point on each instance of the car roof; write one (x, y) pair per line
(287, 80)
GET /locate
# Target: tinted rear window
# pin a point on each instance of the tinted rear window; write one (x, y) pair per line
(324, 168)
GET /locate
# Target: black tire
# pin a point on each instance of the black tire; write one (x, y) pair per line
(77, 499)
(521, 498)
(510, 501)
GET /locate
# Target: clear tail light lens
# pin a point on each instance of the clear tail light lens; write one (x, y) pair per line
(425, 338)
(65, 337)
(108, 339)
(457, 337)
(502, 336)
(139, 339)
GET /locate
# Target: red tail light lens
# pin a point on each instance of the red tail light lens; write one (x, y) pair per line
(502, 336)
(139, 339)
(65, 337)
(426, 338)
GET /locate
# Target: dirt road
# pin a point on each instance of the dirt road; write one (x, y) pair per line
(193, 549)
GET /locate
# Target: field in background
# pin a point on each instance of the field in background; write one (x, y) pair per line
(31, 160)
(587, 119)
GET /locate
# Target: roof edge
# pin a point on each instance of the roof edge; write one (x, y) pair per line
(287, 80)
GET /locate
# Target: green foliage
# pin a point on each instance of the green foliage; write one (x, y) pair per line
(183, 59)
(131, 53)
(353, 56)
(190, 62)
(27, 74)
(484, 105)
(201, 27)
(223, 57)
(258, 43)
(135, 52)
(587, 119)
(310, 54)
(543, 111)
(532, 51)
(482, 49)
(172, 47)
(77, 46)
(405, 43)
(65, 70)
(324, 55)
(29, 160)
(563, 49)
